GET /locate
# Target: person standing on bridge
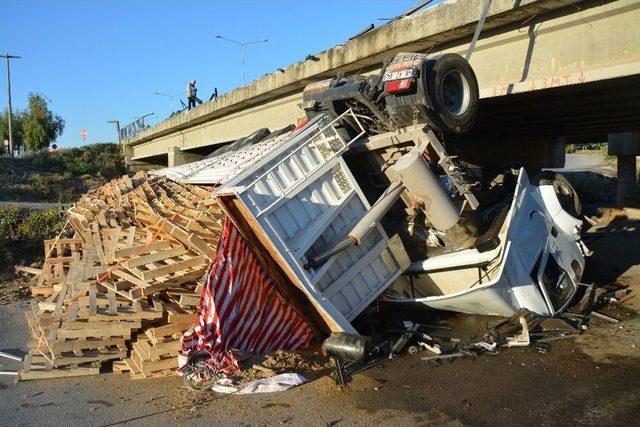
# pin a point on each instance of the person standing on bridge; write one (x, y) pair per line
(191, 93)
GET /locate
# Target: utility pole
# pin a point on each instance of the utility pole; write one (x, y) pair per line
(7, 57)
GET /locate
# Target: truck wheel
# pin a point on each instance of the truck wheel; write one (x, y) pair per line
(453, 91)
(565, 192)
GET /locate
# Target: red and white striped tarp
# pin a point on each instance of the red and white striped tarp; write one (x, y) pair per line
(241, 308)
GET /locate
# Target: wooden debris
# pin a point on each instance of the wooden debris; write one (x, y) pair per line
(158, 356)
(27, 270)
(125, 287)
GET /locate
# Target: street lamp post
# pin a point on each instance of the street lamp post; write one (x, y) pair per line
(171, 98)
(242, 45)
(144, 116)
(7, 57)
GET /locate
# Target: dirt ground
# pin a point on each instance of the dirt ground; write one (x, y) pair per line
(591, 380)
(14, 288)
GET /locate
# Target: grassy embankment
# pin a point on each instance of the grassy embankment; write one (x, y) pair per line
(60, 176)
(55, 177)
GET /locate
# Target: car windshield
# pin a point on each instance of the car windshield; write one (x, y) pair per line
(557, 283)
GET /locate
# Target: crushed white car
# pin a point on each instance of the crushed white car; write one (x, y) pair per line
(537, 265)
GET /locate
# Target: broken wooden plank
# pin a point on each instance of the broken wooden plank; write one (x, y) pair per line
(28, 270)
(58, 373)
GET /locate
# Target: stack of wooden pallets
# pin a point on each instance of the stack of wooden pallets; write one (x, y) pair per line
(155, 354)
(122, 284)
(60, 253)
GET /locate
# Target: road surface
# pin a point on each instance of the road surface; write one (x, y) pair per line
(595, 162)
(595, 381)
(37, 205)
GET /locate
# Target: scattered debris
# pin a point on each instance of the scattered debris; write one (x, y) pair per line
(10, 356)
(443, 357)
(522, 339)
(435, 348)
(556, 338)
(300, 232)
(273, 384)
(604, 317)
(126, 278)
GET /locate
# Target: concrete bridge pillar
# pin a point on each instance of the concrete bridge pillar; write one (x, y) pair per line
(178, 157)
(625, 146)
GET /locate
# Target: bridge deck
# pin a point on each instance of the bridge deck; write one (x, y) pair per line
(539, 46)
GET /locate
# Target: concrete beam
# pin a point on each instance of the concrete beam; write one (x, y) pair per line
(541, 44)
(624, 143)
(434, 27)
(274, 115)
(177, 157)
(626, 146)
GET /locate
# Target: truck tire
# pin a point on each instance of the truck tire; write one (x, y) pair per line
(453, 93)
(567, 195)
(445, 98)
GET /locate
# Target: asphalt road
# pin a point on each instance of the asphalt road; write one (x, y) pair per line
(37, 205)
(519, 386)
(595, 162)
(594, 381)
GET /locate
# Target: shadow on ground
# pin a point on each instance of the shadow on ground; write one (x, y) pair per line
(615, 246)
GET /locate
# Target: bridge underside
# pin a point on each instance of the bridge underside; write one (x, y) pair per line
(579, 113)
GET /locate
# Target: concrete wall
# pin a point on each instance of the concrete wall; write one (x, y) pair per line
(540, 45)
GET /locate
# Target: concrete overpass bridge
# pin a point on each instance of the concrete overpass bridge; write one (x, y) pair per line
(550, 72)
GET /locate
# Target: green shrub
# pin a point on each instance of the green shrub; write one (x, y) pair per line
(105, 159)
(60, 176)
(22, 232)
(41, 185)
(46, 161)
(39, 225)
(10, 217)
(572, 148)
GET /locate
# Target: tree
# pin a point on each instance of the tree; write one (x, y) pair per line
(40, 126)
(17, 118)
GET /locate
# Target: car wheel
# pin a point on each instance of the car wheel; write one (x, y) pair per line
(566, 193)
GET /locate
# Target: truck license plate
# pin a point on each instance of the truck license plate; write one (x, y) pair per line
(397, 75)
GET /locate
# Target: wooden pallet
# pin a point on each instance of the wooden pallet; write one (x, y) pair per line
(157, 356)
(126, 286)
(120, 367)
(35, 367)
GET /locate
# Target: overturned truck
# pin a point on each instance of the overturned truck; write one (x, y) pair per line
(374, 197)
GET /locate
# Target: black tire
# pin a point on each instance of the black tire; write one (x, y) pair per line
(567, 195)
(453, 93)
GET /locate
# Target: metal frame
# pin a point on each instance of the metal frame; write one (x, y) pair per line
(320, 132)
(316, 180)
(422, 136)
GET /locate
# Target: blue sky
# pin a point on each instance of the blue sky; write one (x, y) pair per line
(101, 60)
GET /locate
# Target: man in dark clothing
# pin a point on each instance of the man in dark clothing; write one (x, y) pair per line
(191, 93)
